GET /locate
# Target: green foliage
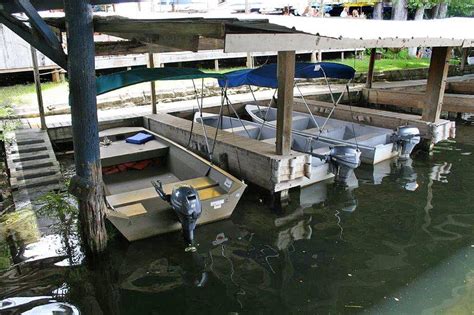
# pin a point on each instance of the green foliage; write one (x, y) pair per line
(461, 8)
(59, 205)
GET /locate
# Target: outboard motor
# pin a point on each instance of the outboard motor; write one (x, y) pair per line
(186, 204)
(406, 137)
(345, 159)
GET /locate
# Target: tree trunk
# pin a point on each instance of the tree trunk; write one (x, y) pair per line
(435, 11)
(443, 10)
(87, 185)
(418, 16)
(378, 11)
(399, 10)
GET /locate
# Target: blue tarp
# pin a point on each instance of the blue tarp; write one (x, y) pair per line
(266, 76)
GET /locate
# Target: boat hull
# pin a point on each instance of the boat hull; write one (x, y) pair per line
(136, 210)
(373, 142)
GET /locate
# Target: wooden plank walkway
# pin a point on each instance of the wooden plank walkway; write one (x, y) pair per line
(33, 167)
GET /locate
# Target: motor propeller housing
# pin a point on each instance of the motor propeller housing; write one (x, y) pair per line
(406, 137)
(344, 160)
(185, 202)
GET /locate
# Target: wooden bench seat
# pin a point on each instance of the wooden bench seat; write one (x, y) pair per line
(134, 196)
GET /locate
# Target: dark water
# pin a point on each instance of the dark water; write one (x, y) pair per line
(400, 241)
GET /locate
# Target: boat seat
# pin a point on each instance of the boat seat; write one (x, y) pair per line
(132, 210)
(135, 196)
(241, 129)
(367, 136)
(270, 141)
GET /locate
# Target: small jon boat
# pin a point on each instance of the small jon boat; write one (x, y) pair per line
(376, 144)
(326, 162)
(129, 171)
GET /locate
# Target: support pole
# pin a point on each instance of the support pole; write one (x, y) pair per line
(314, 57)
(249, 60)
(216, 64)
(286, 79)
(436, 85)
(151, 64)
(87, 184)
(464, 59)
(370, 72)
(39, 94)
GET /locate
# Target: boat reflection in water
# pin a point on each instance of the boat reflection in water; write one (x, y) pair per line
(402, 171)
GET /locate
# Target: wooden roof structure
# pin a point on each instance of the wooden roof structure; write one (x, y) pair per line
(257, 33)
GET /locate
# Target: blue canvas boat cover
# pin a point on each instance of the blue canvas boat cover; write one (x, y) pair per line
(266, 76)
(114, 81)
(139, 138)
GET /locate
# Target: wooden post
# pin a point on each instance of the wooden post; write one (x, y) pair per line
(370, 72)
(286, 79)
(436, 85)
(151, 62)
(463, 60)
(249, 60)
(39, 94)
(55, 76)
(87, 184)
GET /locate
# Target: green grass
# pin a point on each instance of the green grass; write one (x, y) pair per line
(362, 65)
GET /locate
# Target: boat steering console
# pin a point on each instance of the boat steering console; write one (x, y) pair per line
(185, 202)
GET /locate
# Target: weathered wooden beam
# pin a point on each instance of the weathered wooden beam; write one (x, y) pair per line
(42, 5)
(457, 103)
(437, 75)
(151, 64)
(370, 72)
(39, 24)
(87, 185)
(462, 87)
(180, 27)
(27, 34)
(39, 95)
(286, 79)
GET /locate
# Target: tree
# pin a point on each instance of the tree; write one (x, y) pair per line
(419, 6)
(378, 10)
(399, 10)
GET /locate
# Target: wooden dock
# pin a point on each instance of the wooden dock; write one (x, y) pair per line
(33, 167)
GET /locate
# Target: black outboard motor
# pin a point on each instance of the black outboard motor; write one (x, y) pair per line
(344, 160)
(406, 137)
(186, 204)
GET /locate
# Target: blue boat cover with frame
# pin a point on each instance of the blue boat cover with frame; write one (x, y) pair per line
(266, 76)
(115, 81)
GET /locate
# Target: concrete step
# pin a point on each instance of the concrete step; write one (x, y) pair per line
(35, 182)
(35, 164)
(29, 148)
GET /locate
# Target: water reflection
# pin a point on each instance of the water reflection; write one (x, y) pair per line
(381, 244)
(401, 170)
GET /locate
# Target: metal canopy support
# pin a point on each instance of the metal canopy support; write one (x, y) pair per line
(286, 80)
(436, 85)
(39, 95)
(18, 27)
(370, 72)
(87, 185)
